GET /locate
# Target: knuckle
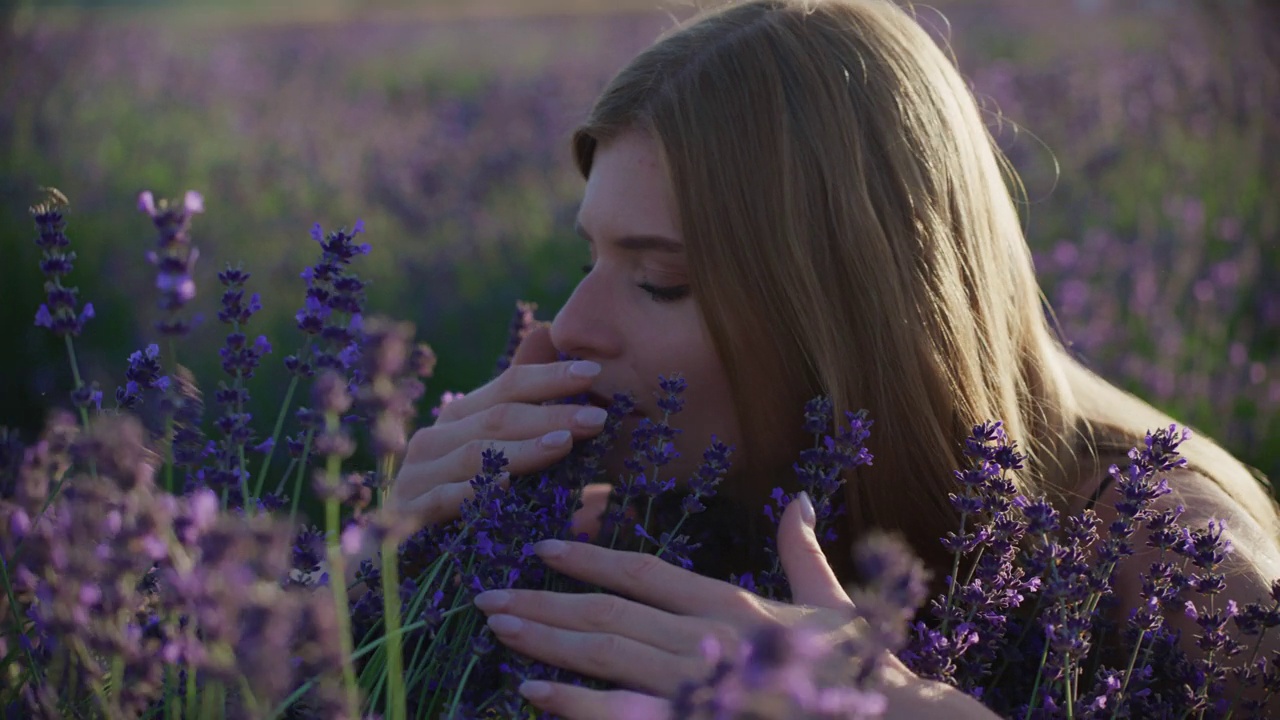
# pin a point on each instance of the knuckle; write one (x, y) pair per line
(744, 604)
(420, 445)
(726, 636)
(496, 418)
(603, 651)
(507, 380)
(471, 451)
(639, 567)
(601, 611)
(432, 505)
(448, 413)
(443, 503)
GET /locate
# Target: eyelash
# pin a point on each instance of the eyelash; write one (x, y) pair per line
(659, 294)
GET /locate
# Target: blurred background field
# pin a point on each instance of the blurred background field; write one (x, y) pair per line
(1145, 135)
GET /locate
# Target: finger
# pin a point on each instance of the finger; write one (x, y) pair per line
(506, 421)
(578, 703)
(434, 486)
(536, 346)
(812, 580)
(601, 613)
(525, 384)
(648, 579)
(590, 517)
(443, 502)
(600, 655)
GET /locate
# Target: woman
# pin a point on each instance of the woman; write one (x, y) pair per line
(787, 198)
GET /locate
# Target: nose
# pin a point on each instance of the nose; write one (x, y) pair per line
(587, 325)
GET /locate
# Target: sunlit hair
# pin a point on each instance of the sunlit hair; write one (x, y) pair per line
(851, 231)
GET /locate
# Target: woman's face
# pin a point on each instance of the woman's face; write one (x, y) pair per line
(633, 311)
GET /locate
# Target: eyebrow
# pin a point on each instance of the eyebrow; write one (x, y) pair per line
(660, 243)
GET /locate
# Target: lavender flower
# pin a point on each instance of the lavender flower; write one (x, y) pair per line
(239, 358)
(334, 300)
(174, 256)
(59, 313)
(131, 593)
(143, 373)
(389, 394)
(821, 472)
(522, 322)
(812, 672)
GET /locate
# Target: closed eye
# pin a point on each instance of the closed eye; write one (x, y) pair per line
(659, 294)
(665, 294)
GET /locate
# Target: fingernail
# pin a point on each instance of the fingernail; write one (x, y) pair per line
(591, 416)
(534, 690)
(806, 509)
(550, 548)
(505, 624)
(584, 369)
(492, 600)
(555, 439)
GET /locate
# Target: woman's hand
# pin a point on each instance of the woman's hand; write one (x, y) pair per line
(653, 642)
(505, 415)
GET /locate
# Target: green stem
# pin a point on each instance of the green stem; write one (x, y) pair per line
(337, 574)
(387, 469)
(168, 424)
(288, 473)
(302, 470)
(1254, 656)
(170, 703)
(462, 685)
(209, 708)
(654, 482)
(391, 618)
(1035, 688)
(91, 669)
(242, 470)
(17, 621)
(1128, 672)
(674, 530)
(955, 570)
(75, 374)
(117, 673)
(249, 699)
(275, 435)
(365, 650)
(617, 527)
(1068, 686)
(191, 686)
(420, 598)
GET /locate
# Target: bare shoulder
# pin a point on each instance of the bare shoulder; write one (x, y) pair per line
(1254, 561)
(1255, 550)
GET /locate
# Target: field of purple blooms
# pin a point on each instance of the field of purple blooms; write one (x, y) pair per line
(161, 568)
(1144, 134)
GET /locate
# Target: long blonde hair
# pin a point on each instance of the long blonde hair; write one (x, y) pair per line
(850, 232)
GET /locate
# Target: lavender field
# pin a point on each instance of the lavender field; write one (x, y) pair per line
(338, 166)
(1145, 136)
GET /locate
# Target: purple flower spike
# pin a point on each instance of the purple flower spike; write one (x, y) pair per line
(334, 303)
(60, 312)
(174, 256)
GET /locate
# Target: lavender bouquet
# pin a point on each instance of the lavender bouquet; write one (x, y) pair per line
(151, 570)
